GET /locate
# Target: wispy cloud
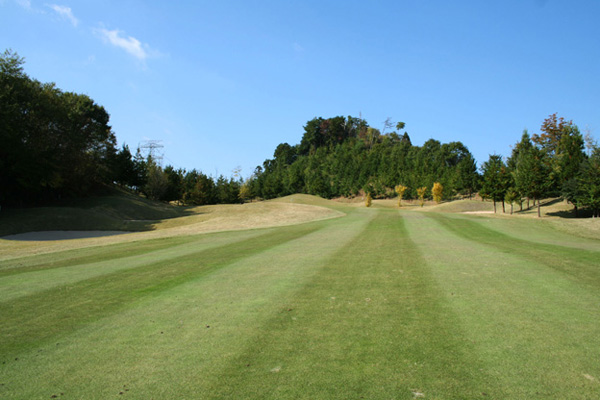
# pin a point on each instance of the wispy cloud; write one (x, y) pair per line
(65, 13)
(24, 3)
(128, 43)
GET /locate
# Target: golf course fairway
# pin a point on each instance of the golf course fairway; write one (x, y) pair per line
(378, 303)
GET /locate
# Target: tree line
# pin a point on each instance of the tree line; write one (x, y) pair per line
(553, 163)
(56, 144)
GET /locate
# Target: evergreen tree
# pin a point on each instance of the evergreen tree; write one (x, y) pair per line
(496, 179)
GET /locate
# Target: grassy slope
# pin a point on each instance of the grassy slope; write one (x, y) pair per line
(116, 212)
(121, 211)
(378, 304)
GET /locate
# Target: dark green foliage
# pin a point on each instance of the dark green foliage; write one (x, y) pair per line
(344, 156)
(174, 190)
(53, 144)
(588, 184)
(555, 164)
(496, 179)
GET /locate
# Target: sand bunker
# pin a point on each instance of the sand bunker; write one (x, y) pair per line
(60, 235)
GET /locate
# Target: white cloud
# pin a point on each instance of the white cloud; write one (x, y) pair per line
(130, 44)
(65, 13)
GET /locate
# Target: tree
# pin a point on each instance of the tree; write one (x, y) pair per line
(175, 187)
(562, 146)
(400, 189)
(437, 191)
(53, 144)
(570, 155)
(588, 183)
(496, 179)
(157, 182)
(511, 196)
(467, 178)
(124, 169)
(532, 174)
(421, 193)
(245, 192)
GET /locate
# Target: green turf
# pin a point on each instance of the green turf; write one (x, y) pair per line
(379, 304)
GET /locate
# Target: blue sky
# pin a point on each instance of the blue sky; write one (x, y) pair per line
(222, 83)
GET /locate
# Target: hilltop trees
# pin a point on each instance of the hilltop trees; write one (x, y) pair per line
(344, 156)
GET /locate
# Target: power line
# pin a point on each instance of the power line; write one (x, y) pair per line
(153, 149)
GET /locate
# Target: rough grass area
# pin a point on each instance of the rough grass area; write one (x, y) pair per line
(122, 211)
(461, 206)
(376, 304)
(195, 220)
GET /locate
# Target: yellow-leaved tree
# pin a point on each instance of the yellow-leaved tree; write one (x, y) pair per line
(436, 192)
(421, 193)
(400, 189)
(369, 200)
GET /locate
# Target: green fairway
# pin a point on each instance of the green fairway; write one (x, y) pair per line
(376, 304)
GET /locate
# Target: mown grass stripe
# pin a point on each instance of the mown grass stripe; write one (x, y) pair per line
(23, 284)
(31, 320)
(89, 255)
(577, 263)
(370, 325)
(161, 346)
(535, 328)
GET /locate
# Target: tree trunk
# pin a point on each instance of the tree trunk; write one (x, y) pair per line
(503, 208)
(528, 203)
(511, 208)
(520, 204)
(494, 206)
(576, 211)
(539, 211)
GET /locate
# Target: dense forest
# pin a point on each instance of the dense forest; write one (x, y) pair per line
(345, 156)
(56, 145)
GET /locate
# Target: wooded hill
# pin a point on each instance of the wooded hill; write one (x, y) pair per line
(345, 156)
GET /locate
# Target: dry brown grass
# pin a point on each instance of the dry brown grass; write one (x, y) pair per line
(205, 219)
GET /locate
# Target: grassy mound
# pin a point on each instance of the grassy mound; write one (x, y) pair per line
(461, 206)
(121, 211)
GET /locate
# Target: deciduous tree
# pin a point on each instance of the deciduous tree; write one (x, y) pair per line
(437, 192)
(421, 193)
(400, 189)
